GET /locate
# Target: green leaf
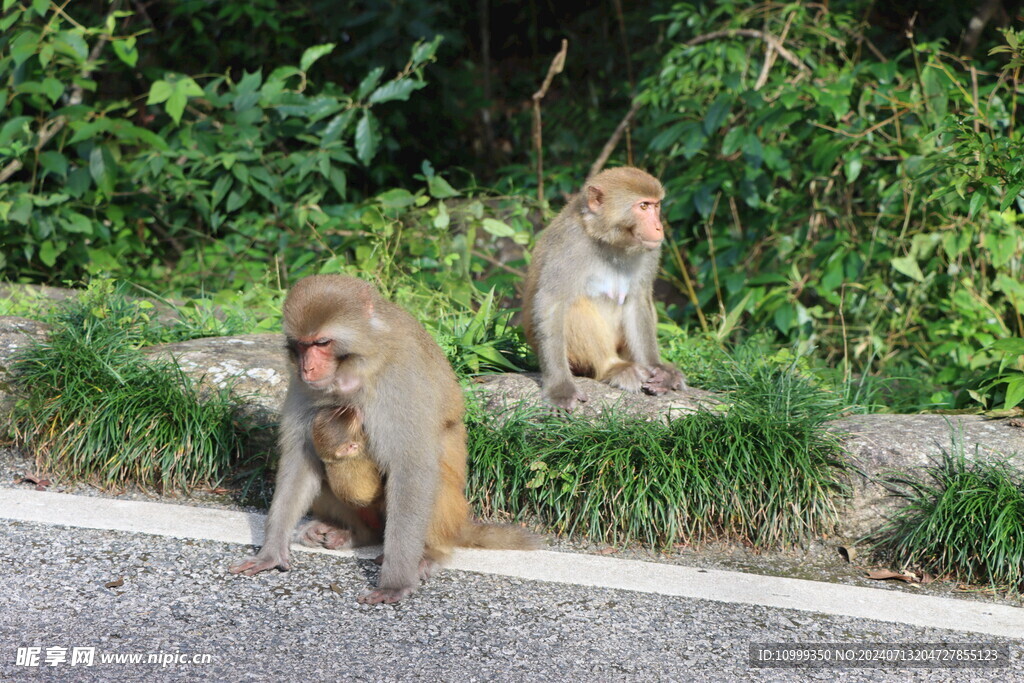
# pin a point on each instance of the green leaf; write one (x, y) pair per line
(76, 223)
(159, 92)
(220, 189)
(314, 53)
(126, 51)
(12, 128)
(440, 189)
(421, 52)
(369, 82)
(336, 126)
(55, 163)
(53, 89)
(908, 266)
(396, 198)
(976, 201)
(1014, 391)
(40, 7)
(853, 166)
(395, 90)
(175, 106)
(338, 182)
(1011, 345)
(717, 113)
(367, 138)
(442, 219)
(497, 228)
(101, 168)
(48, 253)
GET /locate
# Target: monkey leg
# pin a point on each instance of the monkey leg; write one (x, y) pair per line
(336, 514)
(451, 514)
(355, 480)
(593, 337)
(322, 534)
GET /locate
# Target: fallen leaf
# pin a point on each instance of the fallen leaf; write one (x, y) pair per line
(607, 551)
(883, 574)
(848, 554)
(36, 479)
(115, 584)
(336, 588)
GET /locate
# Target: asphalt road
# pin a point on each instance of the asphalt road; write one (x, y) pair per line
(148, 581)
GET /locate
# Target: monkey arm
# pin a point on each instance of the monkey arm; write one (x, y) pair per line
(640, 321)
(413, 477)
(640, 324)
(297, 484)
(559, 387)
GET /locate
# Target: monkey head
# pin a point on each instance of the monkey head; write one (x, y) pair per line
(330, 325)
(622, 208)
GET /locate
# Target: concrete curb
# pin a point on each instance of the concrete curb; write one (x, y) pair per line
(182, 521)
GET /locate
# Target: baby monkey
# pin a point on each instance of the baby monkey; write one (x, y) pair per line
(339, 440)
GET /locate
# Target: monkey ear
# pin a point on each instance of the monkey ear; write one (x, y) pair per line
(595, 198)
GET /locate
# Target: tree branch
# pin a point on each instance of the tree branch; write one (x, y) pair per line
(557, 64)
(774, 42)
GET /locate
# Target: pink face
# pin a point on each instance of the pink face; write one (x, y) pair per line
(647, 219)
(320, 366)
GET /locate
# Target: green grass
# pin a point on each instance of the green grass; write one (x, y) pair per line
(91, 406)
(962, 518)
(763, 473)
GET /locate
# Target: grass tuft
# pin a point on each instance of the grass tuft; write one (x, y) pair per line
(961, 518)
(764, 473)
(91, 406)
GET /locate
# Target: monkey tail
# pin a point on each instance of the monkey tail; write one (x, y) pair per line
(496, 537)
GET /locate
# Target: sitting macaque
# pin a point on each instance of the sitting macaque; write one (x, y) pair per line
(367, 378)
(339, 441)
(588, 305)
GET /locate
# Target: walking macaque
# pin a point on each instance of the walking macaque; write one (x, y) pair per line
(351, 474)
(352, 350)
(587, 305)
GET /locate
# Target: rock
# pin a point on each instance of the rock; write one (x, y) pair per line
(253, 365)
(880, 445)
(501, 393)
(15, 334)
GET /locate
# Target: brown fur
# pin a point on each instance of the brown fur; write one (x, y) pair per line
(587, 302)
(368, 379)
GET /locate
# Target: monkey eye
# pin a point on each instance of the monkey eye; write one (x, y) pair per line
(644, 206)
(322, 342)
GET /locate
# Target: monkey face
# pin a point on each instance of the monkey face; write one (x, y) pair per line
(647, 226)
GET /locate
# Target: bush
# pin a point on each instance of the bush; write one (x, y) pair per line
(763, 473)
(961, 518)
(90, 406)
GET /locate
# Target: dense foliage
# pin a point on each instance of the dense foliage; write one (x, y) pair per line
(844, 178)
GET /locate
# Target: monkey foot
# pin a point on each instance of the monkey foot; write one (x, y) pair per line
(255, 565)
(427, 566)
(628, 377)
(565, 396)
(663, 378)
(319, 533)
(388, 596)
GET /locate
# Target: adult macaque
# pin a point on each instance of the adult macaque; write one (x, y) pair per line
(352, 350)
(587, 306)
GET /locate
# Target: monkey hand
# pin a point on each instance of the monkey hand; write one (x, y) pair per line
(663, 378)
(565, 396)
(259, 563)
(386, 595)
